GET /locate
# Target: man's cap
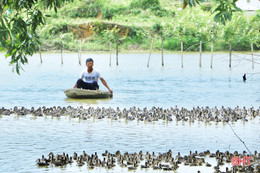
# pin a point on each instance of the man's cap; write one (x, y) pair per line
(89, 59)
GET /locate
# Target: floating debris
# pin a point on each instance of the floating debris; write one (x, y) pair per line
(147, 115)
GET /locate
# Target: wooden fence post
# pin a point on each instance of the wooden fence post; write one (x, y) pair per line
(230, 53)
(162, 52)
(40, 51)
(252, 50)
(79, 53)
(61, 53)
(151, 48)
(78, 48)
(110, 53)
(117, 51)
(181, 54)
(200, 52)
(211, 63)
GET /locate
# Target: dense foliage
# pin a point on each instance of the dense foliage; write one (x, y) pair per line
(190, 25)
(18, 23)
(25, 24)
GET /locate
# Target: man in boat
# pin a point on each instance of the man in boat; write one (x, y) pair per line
(89, 78)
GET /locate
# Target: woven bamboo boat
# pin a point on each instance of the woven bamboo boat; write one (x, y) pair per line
(87, 94)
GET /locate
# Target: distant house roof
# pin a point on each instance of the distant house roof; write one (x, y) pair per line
(248, 5)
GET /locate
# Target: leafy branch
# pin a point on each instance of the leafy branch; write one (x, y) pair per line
(19, 20)
(224, 10)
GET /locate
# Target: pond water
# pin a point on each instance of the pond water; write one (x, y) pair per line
(26, 138)
(133, 83)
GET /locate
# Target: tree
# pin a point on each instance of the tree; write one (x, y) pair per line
(223, 12)
(19, 20)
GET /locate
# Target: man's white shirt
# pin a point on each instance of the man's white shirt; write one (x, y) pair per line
(90, 77)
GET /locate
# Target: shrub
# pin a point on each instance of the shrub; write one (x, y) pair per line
(98, 27)
(84, 9)
(172, 44)
(1, 47)
(109, 12)
(137, 35)
(157, 28)
(144, 4)
(60, 28)
(256, 17)
(159, 11)
(206, 6)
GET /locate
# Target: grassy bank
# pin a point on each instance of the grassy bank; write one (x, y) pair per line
(146, 20)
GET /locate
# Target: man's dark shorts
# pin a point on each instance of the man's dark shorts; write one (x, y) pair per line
(84, 85)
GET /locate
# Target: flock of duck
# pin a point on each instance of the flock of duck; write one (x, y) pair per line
(148, 115)
(161, 161)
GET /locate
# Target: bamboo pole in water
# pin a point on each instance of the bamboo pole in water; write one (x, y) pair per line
(78, 47)
(230, 53)
(61, 53)
(110, 54)
(151, 48)
(252, 50)
(40, 51)
(117, 51)
(211, 63)
(162, 52)
(181, 54)
(80, 53)
(200, 52)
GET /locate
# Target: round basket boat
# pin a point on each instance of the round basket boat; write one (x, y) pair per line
(87, 94)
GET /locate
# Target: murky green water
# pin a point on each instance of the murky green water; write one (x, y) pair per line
(24, 139)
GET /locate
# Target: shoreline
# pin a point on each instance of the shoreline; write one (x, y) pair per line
(144, 52)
